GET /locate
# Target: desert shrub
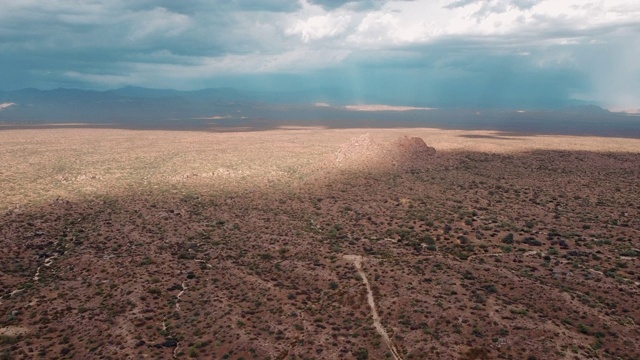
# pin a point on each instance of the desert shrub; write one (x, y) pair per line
(8, 340)
(185, 255)
(154, 291)
(362, 354)
(584, 329)
(532, 241)
(508, 239)
(429, 240)
(147, 261)
(463, 239)
(477, 332)
(490, 288)
(630, 253)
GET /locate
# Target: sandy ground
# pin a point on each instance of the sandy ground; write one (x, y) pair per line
(131, 244)
(45, 164)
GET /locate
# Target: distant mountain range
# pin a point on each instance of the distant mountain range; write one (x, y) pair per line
(161, 108)
(135, 103)
(142, 104)
(126, 104)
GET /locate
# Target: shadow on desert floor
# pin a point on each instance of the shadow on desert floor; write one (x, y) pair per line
(464, 251)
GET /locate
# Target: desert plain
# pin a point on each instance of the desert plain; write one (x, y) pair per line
(317, 243)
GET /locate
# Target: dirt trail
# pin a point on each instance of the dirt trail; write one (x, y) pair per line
(184, 288)
(357, 261)
(13, 331)
(484, 255)
(47, 262)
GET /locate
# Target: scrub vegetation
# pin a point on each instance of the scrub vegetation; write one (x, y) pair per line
(252, 245)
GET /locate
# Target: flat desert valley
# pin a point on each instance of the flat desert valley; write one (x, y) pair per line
(316, 243)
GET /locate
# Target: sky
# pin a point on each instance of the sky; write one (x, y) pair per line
(536, 53)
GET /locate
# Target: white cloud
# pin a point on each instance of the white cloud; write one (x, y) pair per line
(157, 22)
(380, 29)
(180, 75)
(515, 21)
(295, 60)
(312, 22)
(318, 27)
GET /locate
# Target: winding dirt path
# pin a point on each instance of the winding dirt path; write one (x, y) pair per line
(47, 262)
(184, 288)
(357, 261)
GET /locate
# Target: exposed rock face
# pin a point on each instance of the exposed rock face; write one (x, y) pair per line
(412, 151)
(364, 152)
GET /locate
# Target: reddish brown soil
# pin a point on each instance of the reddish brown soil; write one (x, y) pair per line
(233, 266)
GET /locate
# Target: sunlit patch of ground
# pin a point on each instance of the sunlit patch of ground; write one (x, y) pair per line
(473, 244)
(45, 164)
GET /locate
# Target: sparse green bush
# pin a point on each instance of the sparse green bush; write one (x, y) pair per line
(185, 255)
(508, 239)
(154, 291)
(532, 241)
(8, 340)
(490, 288)
(362, 354)
(147, 261)
(584, 329)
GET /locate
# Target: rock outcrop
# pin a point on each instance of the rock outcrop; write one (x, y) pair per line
(363, 152)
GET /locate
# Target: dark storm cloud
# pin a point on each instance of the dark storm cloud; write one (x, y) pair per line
(54, 38)
(473, 51)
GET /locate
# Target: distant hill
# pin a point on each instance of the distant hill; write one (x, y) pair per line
(130, 104)
(140, 92)
(585, 109)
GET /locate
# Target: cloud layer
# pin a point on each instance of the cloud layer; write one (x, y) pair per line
(462, 52)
